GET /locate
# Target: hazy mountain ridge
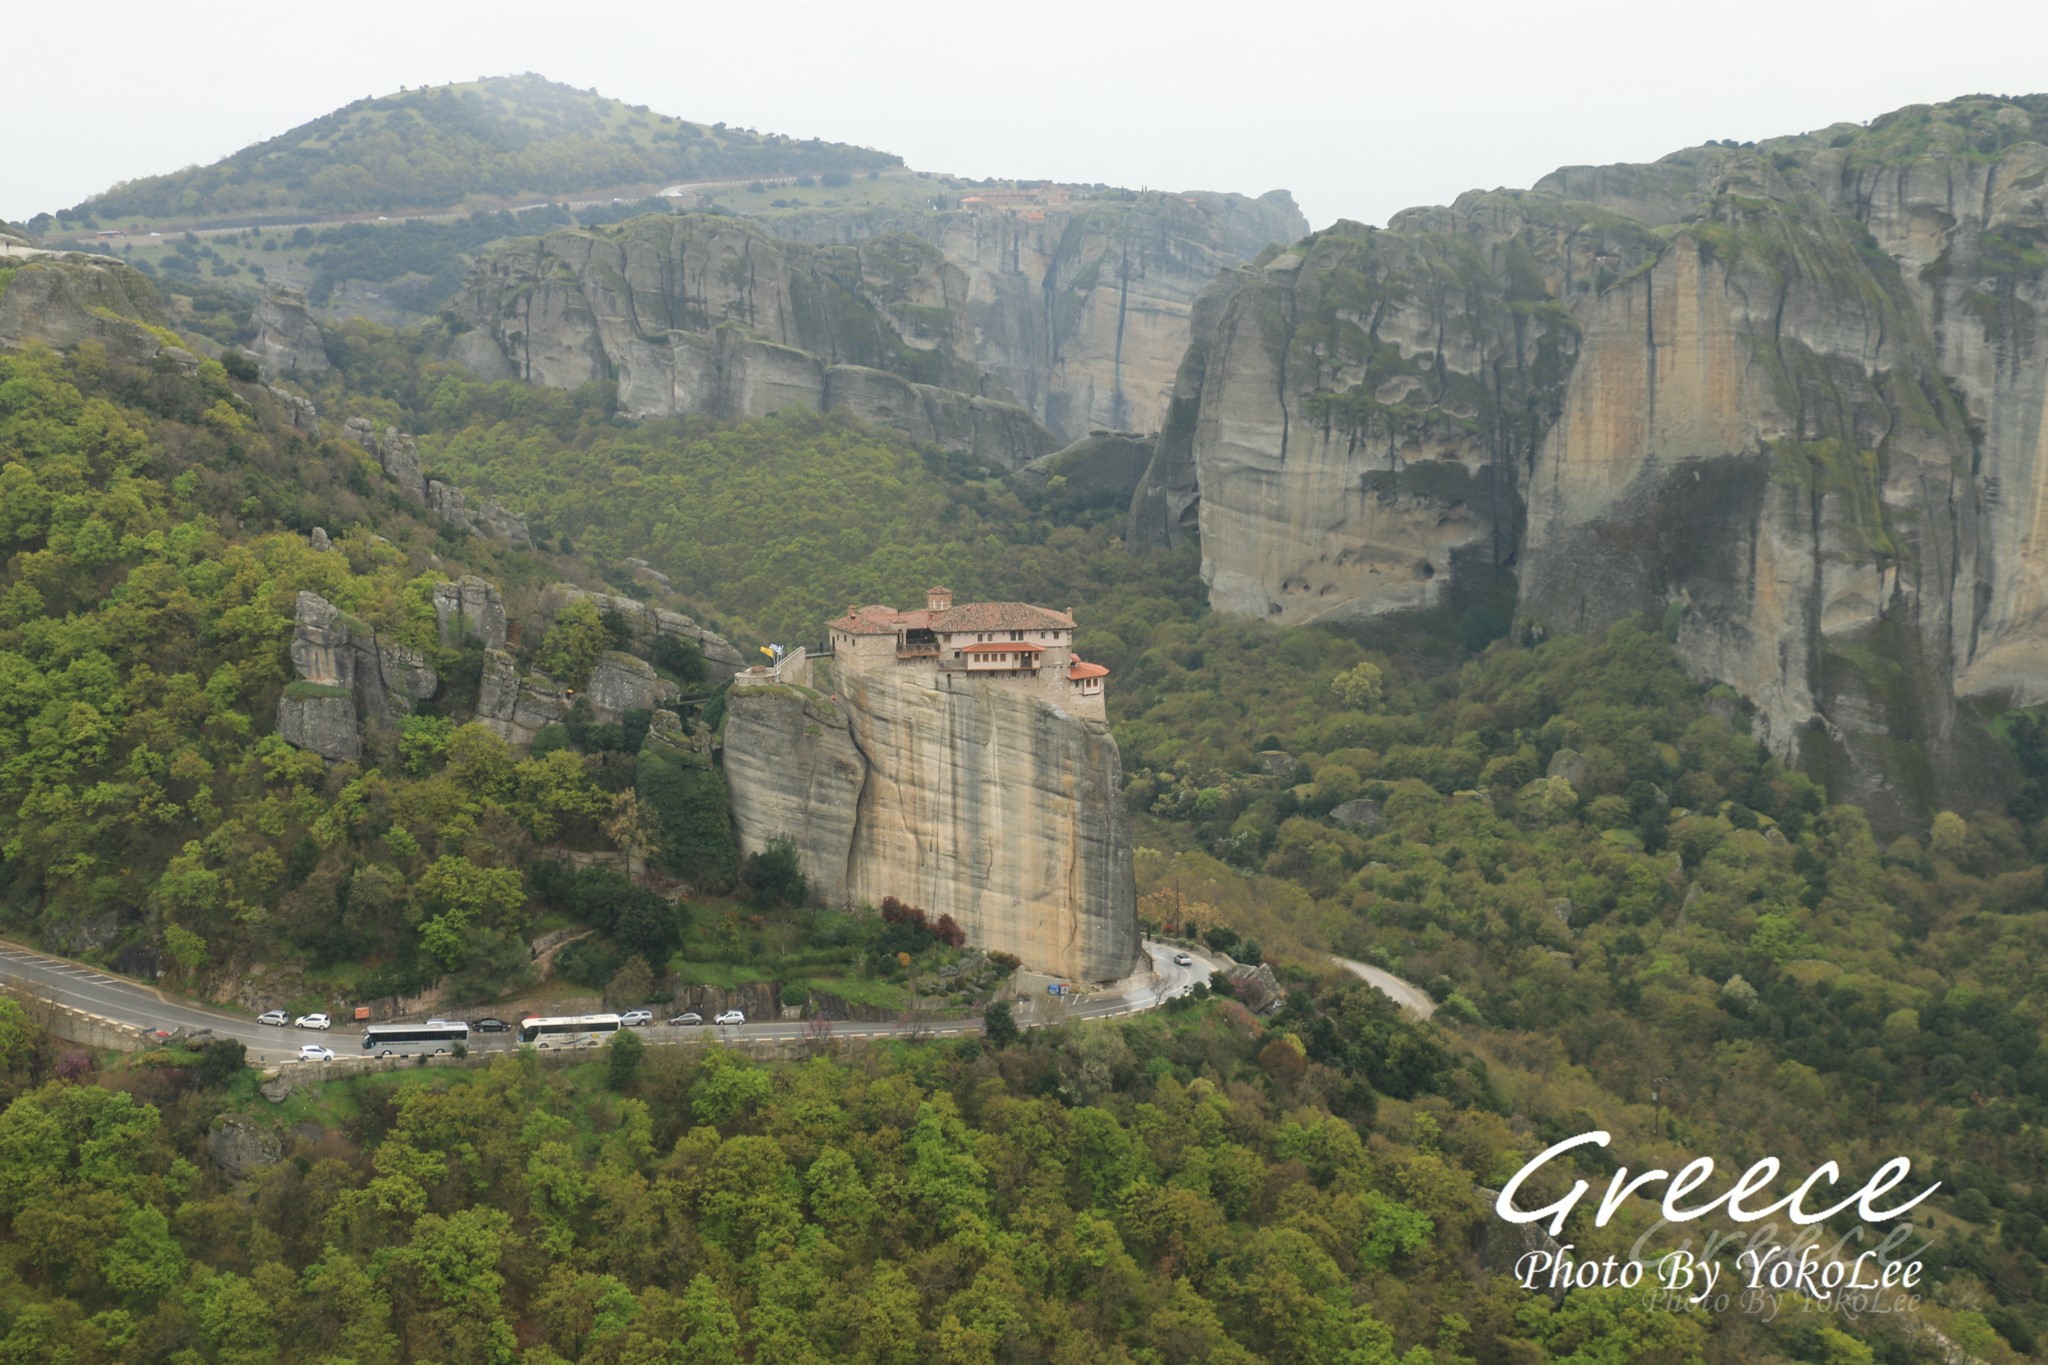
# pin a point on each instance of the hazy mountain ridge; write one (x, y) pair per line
(437, 146)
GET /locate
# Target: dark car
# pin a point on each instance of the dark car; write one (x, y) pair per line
(490, 1026)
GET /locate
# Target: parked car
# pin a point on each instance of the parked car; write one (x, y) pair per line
(275, 1018)
(1183, 960)
(731, 1017)
(312, 1021)
(313, 1052)
(490, 1026)
(636, 1018)
(686, 1020)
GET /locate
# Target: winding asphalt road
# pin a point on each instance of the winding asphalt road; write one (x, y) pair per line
(146, 1009)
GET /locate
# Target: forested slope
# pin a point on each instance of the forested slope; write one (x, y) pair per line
(1614, 889)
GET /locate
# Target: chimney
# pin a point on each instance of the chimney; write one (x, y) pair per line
(938, 599)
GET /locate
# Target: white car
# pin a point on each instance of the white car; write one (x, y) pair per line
(1183, 960)
(275, 1018)
(731, 1017)
(636, 1018)
(312, 1021)
(313, 1052)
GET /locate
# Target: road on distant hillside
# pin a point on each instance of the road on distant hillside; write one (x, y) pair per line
(147, 1009)
(1406, 994)
(632, 195)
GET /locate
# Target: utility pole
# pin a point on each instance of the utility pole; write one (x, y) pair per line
(1657, 1084)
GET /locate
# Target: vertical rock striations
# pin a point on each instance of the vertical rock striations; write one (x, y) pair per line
(964, 797)
(348, 682)
(1790, 400)
(997, 331)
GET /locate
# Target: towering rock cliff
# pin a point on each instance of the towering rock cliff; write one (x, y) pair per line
(971, 800)
(1079, 306)
(998, 330)
(1788, 400)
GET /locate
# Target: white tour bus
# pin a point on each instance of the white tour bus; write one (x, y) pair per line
(569, 1030)
(398, 1040)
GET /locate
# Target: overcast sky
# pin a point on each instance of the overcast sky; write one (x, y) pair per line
(1360, 108)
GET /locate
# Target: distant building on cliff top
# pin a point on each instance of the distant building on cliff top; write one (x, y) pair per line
(1028, 648)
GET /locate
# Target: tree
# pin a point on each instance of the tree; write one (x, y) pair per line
(18, 1047)
(573, 645)
(775, 877)
(1359, 687)
(688, 805)
(645, 923)
(222, 1061)
(632, 984)
(457, 898)
(680, 657)
(623, 1062)
(1000, 1024)
(711, 1333)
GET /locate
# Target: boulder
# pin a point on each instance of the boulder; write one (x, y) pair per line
(239, 1146)
(1500, 1245)
(622, 683)
(288, 342)
(324, 724)
(470, 610)
(1361, 815)
(1103, 466)
(515, 707)
(1571, 765)
(1257, 987)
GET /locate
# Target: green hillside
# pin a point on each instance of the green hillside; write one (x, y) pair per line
(434, 148)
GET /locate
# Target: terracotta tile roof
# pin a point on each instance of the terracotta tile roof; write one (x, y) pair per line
(856, 623)
(999, 616)
(1082, 670)
(1003, 647)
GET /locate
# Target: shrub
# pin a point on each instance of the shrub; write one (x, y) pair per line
(1000, 1024)
(623, 1064)
(774, 876)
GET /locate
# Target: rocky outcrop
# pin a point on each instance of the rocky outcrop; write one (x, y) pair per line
(63, 300)
(299, 412)
(966, 798)
(488, 518)
(470, 611)
(645, 624)
(288, 343)
(240, 1147)
(347, 681)
(515, 706)
(1787, 400)
(995, 332)
(399, 454)
(1102, 467)
(622, 683)
(396, 452)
